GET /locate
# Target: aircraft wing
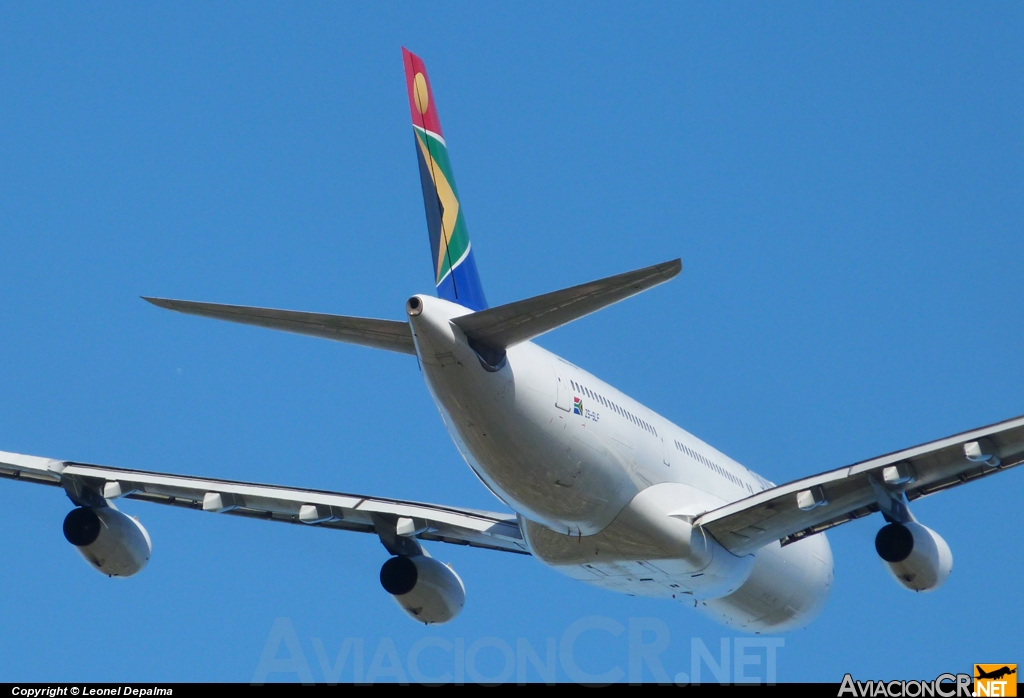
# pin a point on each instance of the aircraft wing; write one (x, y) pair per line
(807, 506)
(335, 510)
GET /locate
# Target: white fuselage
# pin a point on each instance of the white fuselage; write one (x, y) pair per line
(605, 488)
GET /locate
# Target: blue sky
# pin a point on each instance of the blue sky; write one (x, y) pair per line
(843, 183)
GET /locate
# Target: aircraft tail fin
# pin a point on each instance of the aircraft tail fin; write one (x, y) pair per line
(491, 331)
(454, 267)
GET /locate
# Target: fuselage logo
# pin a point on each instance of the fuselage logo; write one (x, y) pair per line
(995, 680)
(577, 406)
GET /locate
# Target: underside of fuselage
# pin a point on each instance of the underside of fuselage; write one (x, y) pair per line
(587, 505)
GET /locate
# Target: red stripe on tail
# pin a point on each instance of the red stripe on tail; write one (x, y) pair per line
(421, 97)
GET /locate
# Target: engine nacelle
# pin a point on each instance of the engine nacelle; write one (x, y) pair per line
(113, 543)
(426, 589)
(916, 555)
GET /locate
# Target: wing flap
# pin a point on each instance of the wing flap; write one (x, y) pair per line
(837, 496)
(336, 510)
(368, 332)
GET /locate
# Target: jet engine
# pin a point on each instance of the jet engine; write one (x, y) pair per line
(113, 543)
(916, 555)
(426, 589)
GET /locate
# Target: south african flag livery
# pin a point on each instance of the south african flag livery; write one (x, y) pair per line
(454, 268)
(577, 406)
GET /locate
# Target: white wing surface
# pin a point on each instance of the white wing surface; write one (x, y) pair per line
(807, 506)
(349, 512)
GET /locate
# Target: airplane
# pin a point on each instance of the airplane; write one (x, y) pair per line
(598, 486)
(996, 673)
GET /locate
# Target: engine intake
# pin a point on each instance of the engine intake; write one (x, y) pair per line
(917, 556)
(113, 543)
(426, 589)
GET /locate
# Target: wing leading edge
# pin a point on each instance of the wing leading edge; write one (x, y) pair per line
(813, 504)
(336, 510)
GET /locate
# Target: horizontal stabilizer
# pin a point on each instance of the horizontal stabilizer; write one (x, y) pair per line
(505, 325)
(369, 332)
